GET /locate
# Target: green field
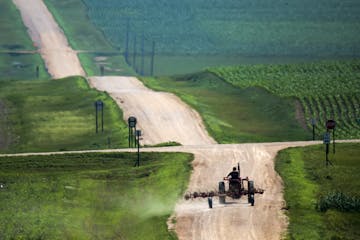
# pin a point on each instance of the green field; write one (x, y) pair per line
(256, 27)
(193, 35)
(236, 28)
(322, 203)
(58, 115)
(14, 64)
(234, 115)
(327, 90)
(90, 196)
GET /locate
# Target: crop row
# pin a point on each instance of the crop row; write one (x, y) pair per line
(342, 109)
(327, 90)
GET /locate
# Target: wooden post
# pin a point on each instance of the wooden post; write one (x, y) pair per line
(96, 117)
(102, 117)
(37, 69)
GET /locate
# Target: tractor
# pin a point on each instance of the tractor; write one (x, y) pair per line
(236, 188)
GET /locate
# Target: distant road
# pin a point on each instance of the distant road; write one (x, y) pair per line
(60, 60)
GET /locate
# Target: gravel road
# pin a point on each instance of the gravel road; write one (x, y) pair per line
(163, 117)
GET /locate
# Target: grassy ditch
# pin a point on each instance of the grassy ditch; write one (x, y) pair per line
(15, 64)
(90, 196)
(323, 203)
(234, 115)
(59, 115)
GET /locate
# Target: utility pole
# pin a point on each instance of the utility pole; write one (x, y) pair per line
(127, 41)
(37, 70)
(142, 54)
(138, 134)
(313, 123)
(134, 58)
(152, 59)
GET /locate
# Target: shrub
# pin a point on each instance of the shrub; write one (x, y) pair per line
(338, 201)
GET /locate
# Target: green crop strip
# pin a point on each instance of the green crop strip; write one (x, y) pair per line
(322, 203)
(91, 196)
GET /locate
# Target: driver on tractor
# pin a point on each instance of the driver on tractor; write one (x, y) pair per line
(234, 183)
(234, 175)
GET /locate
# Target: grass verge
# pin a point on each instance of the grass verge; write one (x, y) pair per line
(309, 186)
(90, 196)
(13, 63)
(234, 115)
(59, 115)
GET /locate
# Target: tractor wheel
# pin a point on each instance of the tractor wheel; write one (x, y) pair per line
(251, 192)
(252, 200)
(222, 193)
(210, 202)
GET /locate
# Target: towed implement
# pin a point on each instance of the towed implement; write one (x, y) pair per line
(237, 187)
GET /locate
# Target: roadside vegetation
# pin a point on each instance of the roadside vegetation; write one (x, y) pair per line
(326, 90)
(234, 115)
(57, 116)
(15, 64)
(91, 196)
(322, 202)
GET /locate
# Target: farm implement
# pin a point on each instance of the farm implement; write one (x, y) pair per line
(237, 187)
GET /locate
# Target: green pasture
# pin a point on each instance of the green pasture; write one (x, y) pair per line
(326, 89)
(14, 38)
(322, 202)
(58, 115)
(91, 196)
(234, 115)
